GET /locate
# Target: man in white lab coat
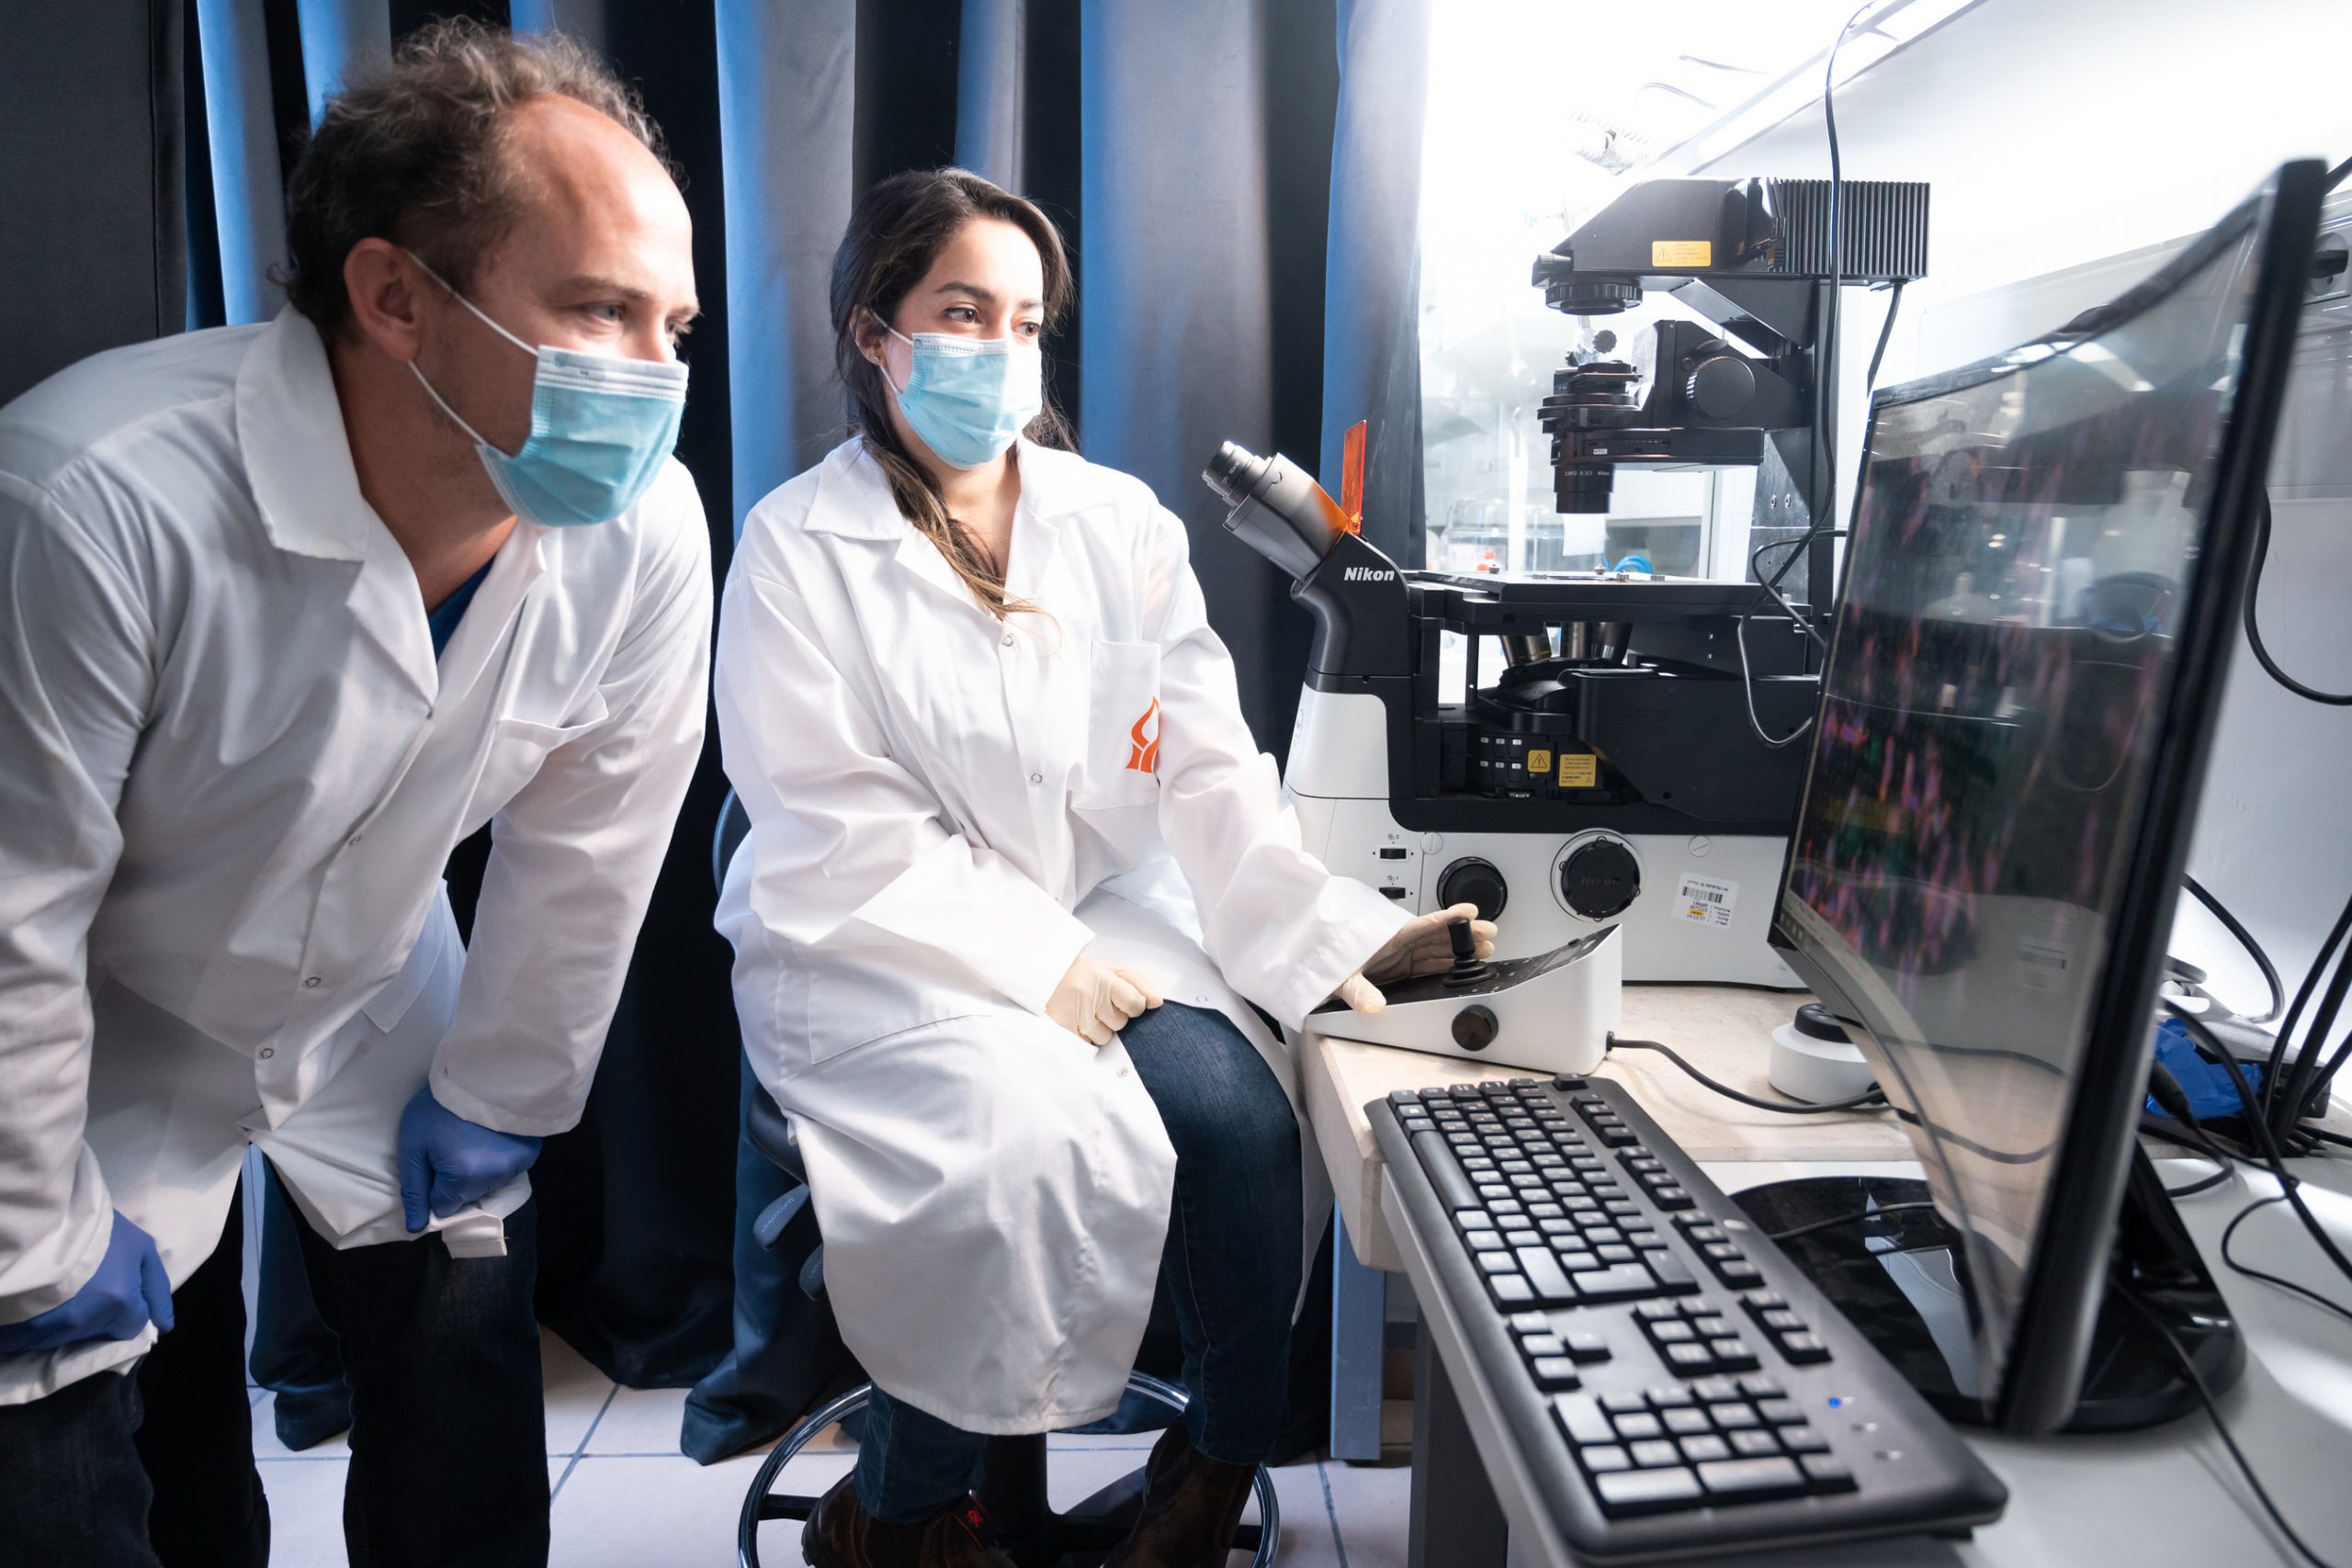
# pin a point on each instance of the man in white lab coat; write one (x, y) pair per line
(286, 613)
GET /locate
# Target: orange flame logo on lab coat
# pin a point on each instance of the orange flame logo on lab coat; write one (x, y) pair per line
(1145, 757)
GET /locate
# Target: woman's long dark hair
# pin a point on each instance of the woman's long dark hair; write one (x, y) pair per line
(895, 233)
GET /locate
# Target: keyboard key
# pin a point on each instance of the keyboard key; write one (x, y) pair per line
(1544, 1344)
(1733, 1417)
(1803, 1348)
(1737, 1479)
(1650, 1311)
(1498, 1262)
(1581, 1417)
(1762, 1301)
(1670, 1396)
(1701, 1447)
(1482, 1241)
(1531, 1322)
(1672, 1197)
(1778, 1412)
(1584, 1345)
(1636, 1427)
(1783, 1320)
(1804, 1441)
(1691, 1358)
(1575, 1263)
(1732, 1354)
(1715, 1391)
(1622, 1281)
(1672, 1331)
(1686, 1422)
(1623, 1403)
(1616, 1252)
(1711, 1328)
(1603, 1458)
(1760, 1386)
(1672, 1273)
(1826, 1473)
(1754, 1444)
(1555, 1372)
(1552, 1287)
(1454, 1188)
(1740, 1273)
(1510, 1290)
(1648, 1491)
(1653, 1452)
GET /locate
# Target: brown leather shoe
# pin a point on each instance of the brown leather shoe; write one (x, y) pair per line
(1191, 1505)
(841, 1534)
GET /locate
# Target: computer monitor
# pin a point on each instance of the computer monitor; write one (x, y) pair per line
(2046, 556)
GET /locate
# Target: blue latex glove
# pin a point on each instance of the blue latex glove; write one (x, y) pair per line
(129, 1290)
(450, 1162)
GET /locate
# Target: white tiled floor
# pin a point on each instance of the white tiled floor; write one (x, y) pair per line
(624, 1497)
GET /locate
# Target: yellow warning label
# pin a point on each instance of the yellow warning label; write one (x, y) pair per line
(1682, 253)
(1539, 761)
(1579, 770)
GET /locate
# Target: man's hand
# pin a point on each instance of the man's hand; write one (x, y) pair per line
(448, 1162)
(1097, 1000)
(1420, 947)
(128, 1291)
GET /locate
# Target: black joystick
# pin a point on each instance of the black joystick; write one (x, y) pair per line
(1468, 967)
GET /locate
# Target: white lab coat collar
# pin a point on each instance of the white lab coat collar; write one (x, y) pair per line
(298, 457)
(298, 461)
(855, 501)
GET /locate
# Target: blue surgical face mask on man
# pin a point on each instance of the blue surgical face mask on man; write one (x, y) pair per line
(968, 398)
(601, 425)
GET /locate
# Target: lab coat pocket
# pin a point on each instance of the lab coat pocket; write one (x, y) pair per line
(519, 745)
(1120, 765)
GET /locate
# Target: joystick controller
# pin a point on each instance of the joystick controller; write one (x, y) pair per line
(1468, 967)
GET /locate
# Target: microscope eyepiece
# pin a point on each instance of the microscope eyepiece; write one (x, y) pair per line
(1234, 471)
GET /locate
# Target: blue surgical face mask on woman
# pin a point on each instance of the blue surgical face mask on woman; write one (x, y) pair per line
(601, 424)
(968, 398)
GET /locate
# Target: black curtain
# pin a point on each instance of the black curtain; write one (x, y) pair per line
(93, 154)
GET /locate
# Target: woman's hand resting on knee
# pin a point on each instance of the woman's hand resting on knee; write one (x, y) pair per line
(1097, 999)
(1422, 947)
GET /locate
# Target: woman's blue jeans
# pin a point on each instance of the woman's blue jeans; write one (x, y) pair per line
(1230, 1267)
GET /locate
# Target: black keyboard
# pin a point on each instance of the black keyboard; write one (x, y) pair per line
(1674, 1386)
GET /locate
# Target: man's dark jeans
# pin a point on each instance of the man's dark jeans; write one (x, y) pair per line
(449, 1438)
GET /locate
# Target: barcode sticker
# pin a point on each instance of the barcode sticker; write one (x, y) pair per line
(1706, 902)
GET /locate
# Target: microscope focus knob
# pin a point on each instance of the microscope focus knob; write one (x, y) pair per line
(1601, 880)
(1473, 881)
(1475, 1026)
(1721, 388)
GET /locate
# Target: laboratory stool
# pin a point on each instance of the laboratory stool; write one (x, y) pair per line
(1012, 1472)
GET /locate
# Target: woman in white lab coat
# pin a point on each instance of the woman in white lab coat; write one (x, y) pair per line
(1016, 874)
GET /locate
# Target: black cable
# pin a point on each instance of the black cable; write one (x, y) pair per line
(1747, 689)
(2212, 1412)
(2307, 1060)
(2305, 1292)
(1858, 1214)
(1873, 1098)
(2253, 618)
(2287, 1179)
(2202, 1184)
(2245, 940)
(2272, 1065)
(1870, 386)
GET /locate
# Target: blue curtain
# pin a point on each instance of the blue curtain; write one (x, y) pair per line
(1238, 182)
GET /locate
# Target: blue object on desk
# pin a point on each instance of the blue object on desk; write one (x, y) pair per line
(2206, 1082)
